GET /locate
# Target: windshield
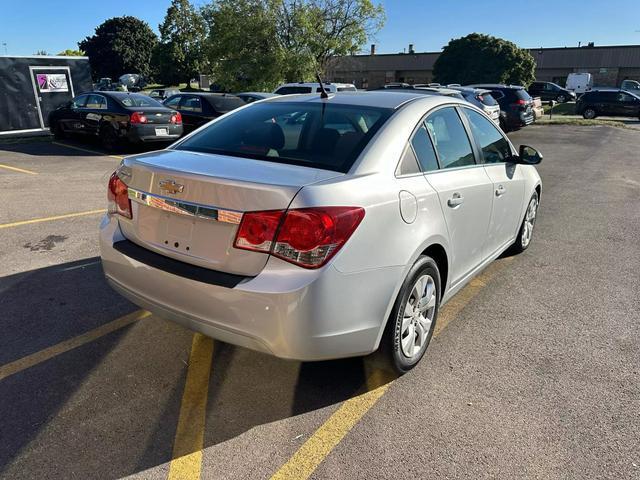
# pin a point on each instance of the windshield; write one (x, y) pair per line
(311, 134)
(137, 100)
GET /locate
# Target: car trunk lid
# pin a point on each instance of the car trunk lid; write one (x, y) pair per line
(156, 116)
(188, 205)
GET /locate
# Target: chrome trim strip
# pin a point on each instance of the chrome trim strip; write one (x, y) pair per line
(196, 210)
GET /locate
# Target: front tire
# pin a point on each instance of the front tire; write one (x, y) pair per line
(57, 131)
(413, 318)
(561, 98)
(526, 228)
(108, 139)
(589, 113)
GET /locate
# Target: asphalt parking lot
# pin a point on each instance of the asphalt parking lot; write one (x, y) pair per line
(534, 371)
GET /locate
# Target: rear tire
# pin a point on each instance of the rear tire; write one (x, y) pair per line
(108, 138)
(57, 131)
(525, 233)
(414, 315)
(589, 113)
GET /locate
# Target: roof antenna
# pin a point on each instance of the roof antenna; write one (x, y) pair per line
(323, 92)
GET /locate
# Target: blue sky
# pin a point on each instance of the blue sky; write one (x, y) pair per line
(30, 25)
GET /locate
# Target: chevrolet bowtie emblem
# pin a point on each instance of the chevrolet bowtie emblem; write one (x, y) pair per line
(170, 186)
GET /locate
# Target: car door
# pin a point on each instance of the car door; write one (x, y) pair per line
(70, 118)
(191, 111)
(628, 104)
(463, 186)
(607, 103)
(91, 115)
(507, 178)
(535, 89)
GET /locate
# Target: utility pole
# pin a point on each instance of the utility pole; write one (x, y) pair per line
(4, 44)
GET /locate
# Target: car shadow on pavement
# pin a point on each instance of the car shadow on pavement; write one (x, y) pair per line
(74, 147)
(110, 407)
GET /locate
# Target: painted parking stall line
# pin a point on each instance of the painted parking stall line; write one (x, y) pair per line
(87, 150)
(323, 441)
(50, 219)
(19, 170)
(48, 353)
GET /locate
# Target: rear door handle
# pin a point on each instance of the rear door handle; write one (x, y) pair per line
(456, 200)
(500, 191)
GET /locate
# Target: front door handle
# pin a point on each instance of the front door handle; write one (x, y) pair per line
(456, 200)
(500, 191)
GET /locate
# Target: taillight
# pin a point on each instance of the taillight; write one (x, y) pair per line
(520, 102)
(176, 118)
(118, 197)
(138, 117)
(307, 237)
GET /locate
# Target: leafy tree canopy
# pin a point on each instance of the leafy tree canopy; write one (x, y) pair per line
(256, 44)
(180, 53)
(479, 58)
(120, 45)
(71, 53)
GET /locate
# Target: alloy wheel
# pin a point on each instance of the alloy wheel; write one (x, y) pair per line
(529, 222)
(418, 317)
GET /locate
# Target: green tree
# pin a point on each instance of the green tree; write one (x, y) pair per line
(242, 48)
(255, 44)
(120, 45)
(180, 54)
(479, 58)
(71, 53)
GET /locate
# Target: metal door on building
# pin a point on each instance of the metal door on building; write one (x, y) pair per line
(52, 87)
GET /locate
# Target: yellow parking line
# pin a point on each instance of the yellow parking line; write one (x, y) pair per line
(16, 169)
(62, 347)
(311, 454)
(49, 219)
(187, 447)
(95, 152)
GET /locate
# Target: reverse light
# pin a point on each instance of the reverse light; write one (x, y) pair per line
(118, 197)
(138, 117)
(176, 118)
(308, 237)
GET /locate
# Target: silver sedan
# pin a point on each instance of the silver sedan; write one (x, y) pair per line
(315, 228)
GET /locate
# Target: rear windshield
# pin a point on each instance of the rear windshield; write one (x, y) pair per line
(522, 94)
(487, 99)
(137, 100)
(311, 134)
(226, 104)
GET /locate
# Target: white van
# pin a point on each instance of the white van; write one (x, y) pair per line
(290, 88)
(579, 82)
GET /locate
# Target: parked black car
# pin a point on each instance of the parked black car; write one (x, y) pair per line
(609, 102)
(199, 108)
(548, 91)
(516, 105)
(116, 117)
(161, 94)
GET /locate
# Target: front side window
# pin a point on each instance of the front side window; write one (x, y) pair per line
(495, 148)
(173, 102)
(329, 136)
(80, 101)
(191, 104)
(625, 97)
(424, 150)
(97, 102)
(450, 138)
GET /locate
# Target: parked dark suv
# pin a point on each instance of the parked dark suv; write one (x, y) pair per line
(550, 91)
(612, 103)
(516, 105)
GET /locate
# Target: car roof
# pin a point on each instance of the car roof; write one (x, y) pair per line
(392, 99)
(495, 86)
(260, 94)
(313, 84)
(442, 90)
(476, 90)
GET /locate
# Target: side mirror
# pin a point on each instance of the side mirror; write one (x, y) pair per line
(528, 155)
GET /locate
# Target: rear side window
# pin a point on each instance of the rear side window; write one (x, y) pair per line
(424, 150)
(329, 136)
(487, 99)
(292, 90)
(173, 102)
(522, 94)
(226, 104)
(191, 104)
(497, 94)
(97, 102)
(495, 148)
(450, 138)
(346, 89)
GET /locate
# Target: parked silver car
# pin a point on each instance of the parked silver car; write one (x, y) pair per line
(482, 99)
(314, 228)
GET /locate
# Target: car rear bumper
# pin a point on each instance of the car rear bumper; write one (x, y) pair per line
(286, 311)
(153, 133)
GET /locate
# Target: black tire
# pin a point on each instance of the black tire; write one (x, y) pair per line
(57, 131)
(391, 342)
(503, 126)
(108, 138)
(520, 245)
(589, 113)
(561, 98)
